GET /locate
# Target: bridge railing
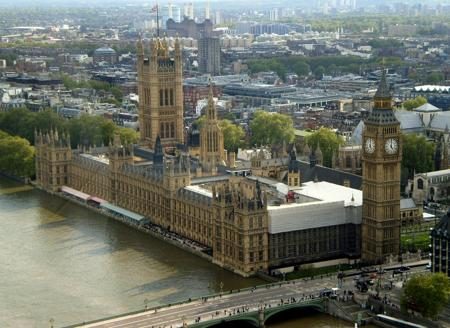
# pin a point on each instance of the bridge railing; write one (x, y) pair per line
(187, 301)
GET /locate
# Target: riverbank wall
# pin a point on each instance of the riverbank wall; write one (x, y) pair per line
(157, 232)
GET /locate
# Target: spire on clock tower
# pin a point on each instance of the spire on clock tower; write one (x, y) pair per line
(381, 180)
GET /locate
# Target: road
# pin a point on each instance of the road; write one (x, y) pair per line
(221, 306)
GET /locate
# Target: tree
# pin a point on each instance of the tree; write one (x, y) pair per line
(271, 128)
(328, 141)
(427, 294)
(301, 68)
(435, 77)
(417, 154)
(233, 135)
(127, 135)
(88, 130)
(319, 72)
(414, 103)
(16, 156)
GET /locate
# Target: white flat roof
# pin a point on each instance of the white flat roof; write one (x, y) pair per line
(331, 192)
(437, 173)
(199, 190)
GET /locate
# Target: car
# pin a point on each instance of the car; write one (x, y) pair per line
(428, 267)
(405, 268)
(381, 271)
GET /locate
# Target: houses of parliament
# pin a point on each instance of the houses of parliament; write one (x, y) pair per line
(250, 220)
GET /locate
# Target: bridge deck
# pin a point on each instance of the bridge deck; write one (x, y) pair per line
(219, 306)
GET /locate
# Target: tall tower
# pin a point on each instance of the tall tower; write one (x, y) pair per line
(211, 138)
(209, 55)
(382, 155)
(53, 156)
(160, 87)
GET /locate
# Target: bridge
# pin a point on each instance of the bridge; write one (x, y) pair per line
(254, 306)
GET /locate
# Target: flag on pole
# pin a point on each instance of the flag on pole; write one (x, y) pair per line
(154, 9)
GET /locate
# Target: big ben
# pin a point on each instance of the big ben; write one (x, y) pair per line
(381, 180)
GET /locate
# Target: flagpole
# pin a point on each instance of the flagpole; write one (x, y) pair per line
(157, 19)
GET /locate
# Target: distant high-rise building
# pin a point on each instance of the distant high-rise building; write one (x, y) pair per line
(207, 9)
(188, 10)
(273, 14)
(170, 12)
(217, 18)
(209, 55)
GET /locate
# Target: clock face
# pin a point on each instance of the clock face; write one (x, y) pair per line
(391, 146)
(369, 145)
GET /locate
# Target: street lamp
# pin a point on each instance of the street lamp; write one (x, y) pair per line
(51, 322)
(145, 303)
(221, 287)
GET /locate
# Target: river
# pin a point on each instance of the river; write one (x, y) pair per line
(63, 262)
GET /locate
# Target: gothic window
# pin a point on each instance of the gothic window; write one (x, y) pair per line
(162, 130)
(171, 97)
(420, 184)
(161, 97)
(172, 128)
(166, 97)
(348, 162)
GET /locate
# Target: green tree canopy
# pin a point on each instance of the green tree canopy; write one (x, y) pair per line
(427, 294)
(271, 128)
(414, 103)
(233, 135)
(319, 72)
(301, 68)
(16, 155)
(417, 154)
(128, 136)
(328, 141)
(86, 130)
(435, 77)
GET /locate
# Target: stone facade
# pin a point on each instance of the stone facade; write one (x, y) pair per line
(381, 180)
(160, 87)
(212, 152)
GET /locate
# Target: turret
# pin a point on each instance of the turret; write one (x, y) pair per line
(53, 156)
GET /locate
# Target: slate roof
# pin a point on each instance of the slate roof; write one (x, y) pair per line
(427, 108)
(440, 121)
(382, 117)
(409, 120)
(322, 173)
(442, 228)
(407, 203)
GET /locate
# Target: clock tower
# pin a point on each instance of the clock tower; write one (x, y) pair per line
(381, 180)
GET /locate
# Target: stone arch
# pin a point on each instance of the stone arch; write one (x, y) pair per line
(292, 307)
(249, 321)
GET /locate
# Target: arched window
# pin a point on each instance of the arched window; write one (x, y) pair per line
(162, 130)
(420, 184)
(171, 97)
